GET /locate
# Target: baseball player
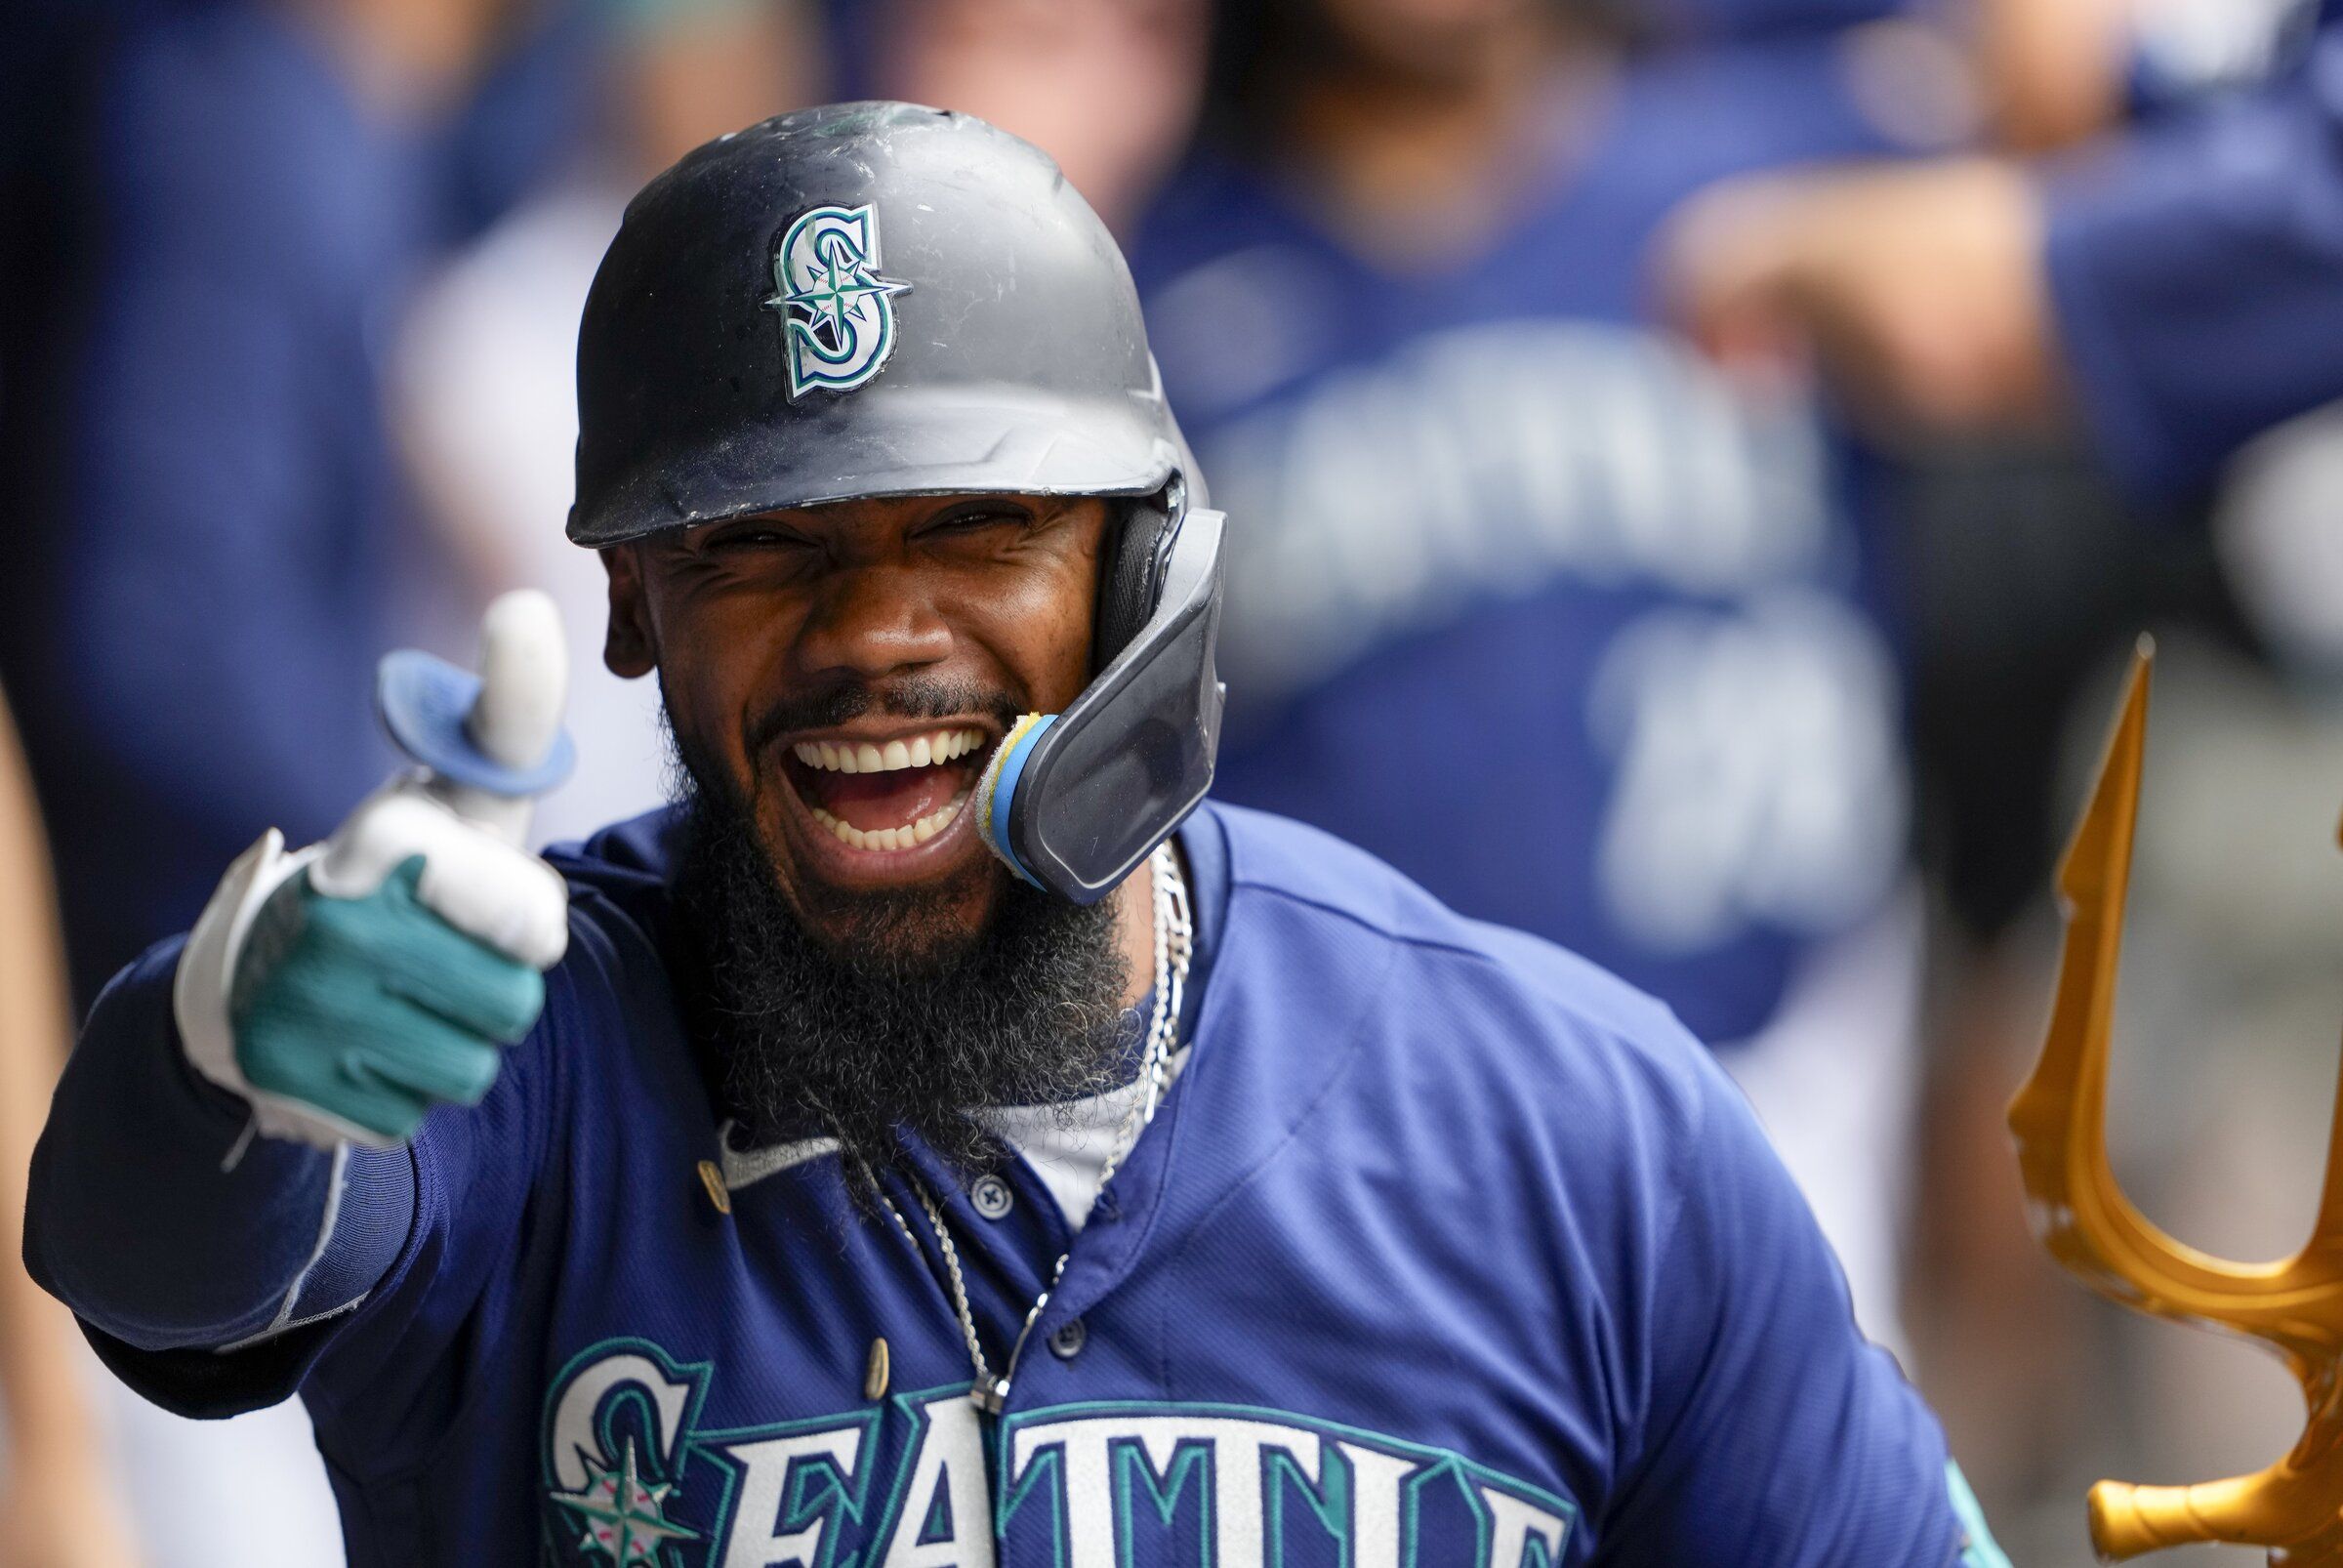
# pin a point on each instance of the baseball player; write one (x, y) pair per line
(938, 1138)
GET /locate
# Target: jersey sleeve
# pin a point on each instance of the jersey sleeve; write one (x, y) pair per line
(1775, 1435)
(203, 1263)
(216, 1273)
(2193, 274)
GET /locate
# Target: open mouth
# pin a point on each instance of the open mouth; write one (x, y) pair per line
(887, 797)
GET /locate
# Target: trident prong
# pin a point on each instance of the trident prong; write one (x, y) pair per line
(2294, 1509)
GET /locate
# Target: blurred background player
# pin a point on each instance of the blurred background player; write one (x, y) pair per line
(1400, 300)
(250, 189)
(2144, 272)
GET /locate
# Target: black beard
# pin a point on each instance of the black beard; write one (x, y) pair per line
(899, 1022)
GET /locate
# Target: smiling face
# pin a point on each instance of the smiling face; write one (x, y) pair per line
(844, 672)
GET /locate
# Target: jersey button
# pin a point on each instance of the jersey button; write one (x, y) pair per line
(991, 1197)
(1067, 1339)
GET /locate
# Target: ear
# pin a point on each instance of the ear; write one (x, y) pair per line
(628, 648)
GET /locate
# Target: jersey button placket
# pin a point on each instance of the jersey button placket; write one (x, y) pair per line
(1067, 1339)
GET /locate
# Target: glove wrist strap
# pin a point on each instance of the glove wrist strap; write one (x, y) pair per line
(207, 974)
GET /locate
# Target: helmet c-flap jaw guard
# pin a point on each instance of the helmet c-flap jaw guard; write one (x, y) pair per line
(1075, 803)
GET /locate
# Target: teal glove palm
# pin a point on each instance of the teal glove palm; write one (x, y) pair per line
(372, 1010)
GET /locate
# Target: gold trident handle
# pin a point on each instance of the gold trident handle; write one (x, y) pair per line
(2294, 1509)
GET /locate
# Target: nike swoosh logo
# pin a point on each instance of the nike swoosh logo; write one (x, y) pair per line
(740, 1170)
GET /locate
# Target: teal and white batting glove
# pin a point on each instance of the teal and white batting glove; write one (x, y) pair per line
(346, 989)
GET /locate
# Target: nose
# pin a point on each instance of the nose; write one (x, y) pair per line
(871, 621)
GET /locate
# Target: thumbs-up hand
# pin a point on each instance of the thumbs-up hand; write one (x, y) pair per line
(346, 989)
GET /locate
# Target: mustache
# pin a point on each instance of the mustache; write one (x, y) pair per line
(912, 697)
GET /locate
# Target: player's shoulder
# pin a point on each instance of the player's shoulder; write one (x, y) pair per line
(1509, 1006)
(626, 859)
(1306, 869)
(620, 903)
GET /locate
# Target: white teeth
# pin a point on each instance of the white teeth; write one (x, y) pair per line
(920, 750)
(908, 836)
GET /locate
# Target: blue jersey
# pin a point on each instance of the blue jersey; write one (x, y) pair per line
(1446, 1251)
(1523, 598)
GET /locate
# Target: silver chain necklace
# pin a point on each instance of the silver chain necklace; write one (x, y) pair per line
(1174, 947)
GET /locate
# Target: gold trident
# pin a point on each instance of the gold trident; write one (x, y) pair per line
(2294, 1509)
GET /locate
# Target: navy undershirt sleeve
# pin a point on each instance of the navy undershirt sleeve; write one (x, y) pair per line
(139, 1221)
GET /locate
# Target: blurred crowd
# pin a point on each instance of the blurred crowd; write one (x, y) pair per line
(1758, 384)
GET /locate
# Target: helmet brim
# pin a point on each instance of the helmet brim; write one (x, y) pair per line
(900, 441)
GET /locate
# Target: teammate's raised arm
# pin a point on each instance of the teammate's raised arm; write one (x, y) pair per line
(2172, 294)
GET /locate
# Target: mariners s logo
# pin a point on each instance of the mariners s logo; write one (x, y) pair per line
(839, 313)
